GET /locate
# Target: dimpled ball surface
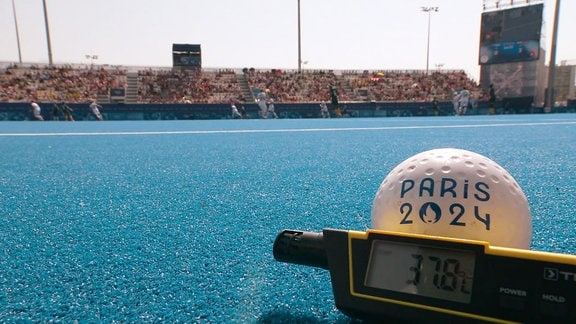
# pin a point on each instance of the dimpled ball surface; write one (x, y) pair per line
(454, 193)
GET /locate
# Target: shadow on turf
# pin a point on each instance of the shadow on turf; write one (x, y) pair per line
(284, 317)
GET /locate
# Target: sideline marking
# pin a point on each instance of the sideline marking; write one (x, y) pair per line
(286, 130)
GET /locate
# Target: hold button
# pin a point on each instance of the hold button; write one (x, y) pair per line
(554, 305)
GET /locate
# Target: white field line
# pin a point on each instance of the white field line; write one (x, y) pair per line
(295, 130)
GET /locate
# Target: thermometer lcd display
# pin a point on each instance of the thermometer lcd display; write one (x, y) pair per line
(427, 271)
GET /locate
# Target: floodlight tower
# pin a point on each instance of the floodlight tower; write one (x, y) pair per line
(299, 42)
(428, 10)
(50, 62)
(17, 32)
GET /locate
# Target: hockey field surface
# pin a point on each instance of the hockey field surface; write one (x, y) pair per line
(174, 221)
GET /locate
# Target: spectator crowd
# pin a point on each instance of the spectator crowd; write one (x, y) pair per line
(57, 83)
(81, 84)
(187, 86)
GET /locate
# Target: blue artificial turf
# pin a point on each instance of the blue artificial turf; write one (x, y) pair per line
(175, 221)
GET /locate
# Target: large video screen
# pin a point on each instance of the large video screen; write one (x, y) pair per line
(186, 55)
(511, 35)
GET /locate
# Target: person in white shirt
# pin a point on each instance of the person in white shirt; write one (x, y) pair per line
(456, 101)
(324, 110)
(463, 102)
(235, 112)
(261, 98)
(271, 108)
(95, 108)
(36, 111)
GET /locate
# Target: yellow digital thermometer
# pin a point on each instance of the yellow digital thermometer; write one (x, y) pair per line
(379, 276)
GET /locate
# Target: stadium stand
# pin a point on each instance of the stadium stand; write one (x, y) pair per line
(58, 83)
(78, 84)
(291, 86)
(187, 86)
(409, 85)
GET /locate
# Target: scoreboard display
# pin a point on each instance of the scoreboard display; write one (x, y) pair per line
(511, 35)
(186, 56)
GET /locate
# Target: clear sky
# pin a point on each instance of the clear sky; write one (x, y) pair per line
(336, 34)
